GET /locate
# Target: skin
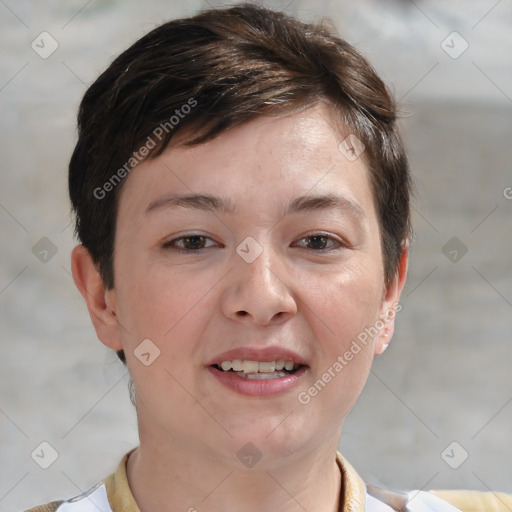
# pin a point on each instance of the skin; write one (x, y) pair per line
(310, 295)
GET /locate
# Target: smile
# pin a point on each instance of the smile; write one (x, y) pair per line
(258, 378)
(259, 370)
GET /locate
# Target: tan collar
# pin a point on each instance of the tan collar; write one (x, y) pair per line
(119, 494)
(353, 496)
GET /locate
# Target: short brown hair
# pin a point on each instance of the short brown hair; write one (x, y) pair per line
(228, 66)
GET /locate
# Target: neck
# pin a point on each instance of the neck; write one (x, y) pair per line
(173, 476)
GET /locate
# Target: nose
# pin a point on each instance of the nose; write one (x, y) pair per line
(258, 292)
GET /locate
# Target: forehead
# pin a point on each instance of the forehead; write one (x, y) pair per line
(266, 160)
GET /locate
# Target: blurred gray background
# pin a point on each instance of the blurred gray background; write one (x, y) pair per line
(437, 410)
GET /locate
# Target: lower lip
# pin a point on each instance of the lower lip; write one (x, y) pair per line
(253, 387)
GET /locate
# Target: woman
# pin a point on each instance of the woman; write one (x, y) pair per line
(242, 201)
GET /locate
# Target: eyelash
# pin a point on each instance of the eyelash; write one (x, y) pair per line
(172, 244)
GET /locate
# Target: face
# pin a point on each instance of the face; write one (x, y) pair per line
(279, 260)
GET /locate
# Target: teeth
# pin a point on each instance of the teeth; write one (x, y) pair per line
(288, 365)
(226, 365)
(262, 376)
(254, 367)
(250, 366)
(266, 367)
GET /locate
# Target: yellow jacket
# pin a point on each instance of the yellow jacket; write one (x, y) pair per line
(113, 495)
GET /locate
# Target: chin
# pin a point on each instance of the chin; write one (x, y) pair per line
(268, 439)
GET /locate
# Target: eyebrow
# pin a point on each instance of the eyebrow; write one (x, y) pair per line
(300, 204)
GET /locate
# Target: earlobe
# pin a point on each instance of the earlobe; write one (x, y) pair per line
(90, 285)
(390, 304)
(382, 341)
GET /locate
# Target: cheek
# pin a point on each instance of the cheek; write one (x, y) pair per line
(168, 306)
(345, 304)
(163, 306)
(149, 297)
(343, 311)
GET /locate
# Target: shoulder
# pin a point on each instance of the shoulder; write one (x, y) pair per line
(357, 496)
(379, 500)
(112, 493)
(96, 496)
(48, 507)
(474, 501)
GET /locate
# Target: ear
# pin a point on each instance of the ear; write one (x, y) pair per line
(101, 302)
(390, 304)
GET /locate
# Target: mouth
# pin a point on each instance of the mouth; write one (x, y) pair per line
(259, 370)
(256, 371)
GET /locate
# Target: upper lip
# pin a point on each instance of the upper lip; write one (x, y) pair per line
(272, 353)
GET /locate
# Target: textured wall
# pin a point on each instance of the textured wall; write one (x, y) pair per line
(445, 378)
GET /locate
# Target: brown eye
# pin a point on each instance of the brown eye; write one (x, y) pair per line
(192, 243)
(317, 242)
(320, 242)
